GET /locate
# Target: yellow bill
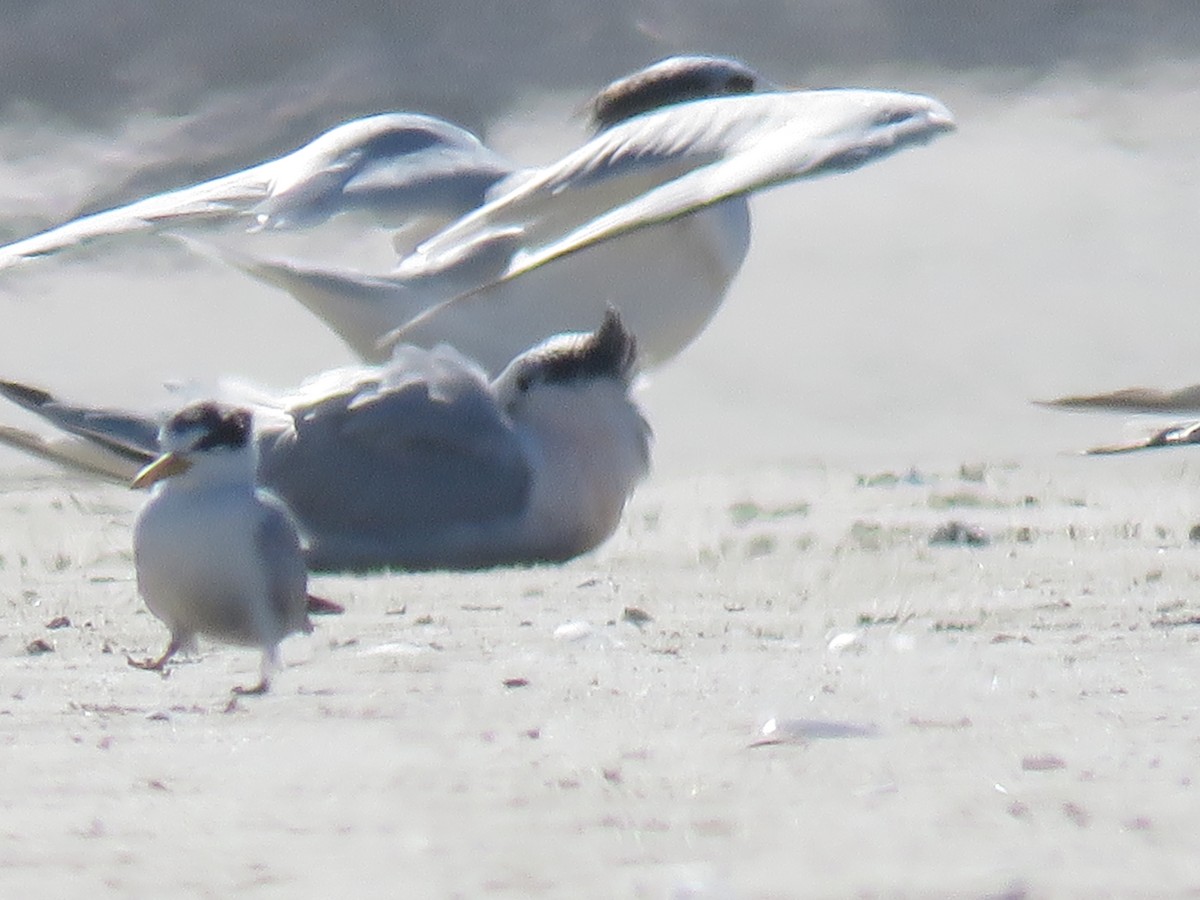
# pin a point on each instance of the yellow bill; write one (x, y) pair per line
(164, 467)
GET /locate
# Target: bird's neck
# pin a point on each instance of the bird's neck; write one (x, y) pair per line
(223, 471)
(592, 453)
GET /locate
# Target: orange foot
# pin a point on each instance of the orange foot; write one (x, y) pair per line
(261, 688)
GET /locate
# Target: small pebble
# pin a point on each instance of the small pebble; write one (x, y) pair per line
(801, 731)
(1047, 762)
(1077, 814)
(635, 616)
(846, 642)
(956, 532)
(573, 631)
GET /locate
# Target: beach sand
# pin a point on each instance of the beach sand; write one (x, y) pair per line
(1017, 718)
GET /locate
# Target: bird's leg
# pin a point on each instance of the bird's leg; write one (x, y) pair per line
(156, 665)
(269, 661)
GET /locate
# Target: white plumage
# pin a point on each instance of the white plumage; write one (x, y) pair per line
(215, 555)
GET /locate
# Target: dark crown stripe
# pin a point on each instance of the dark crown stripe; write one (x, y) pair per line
(673, 80)
(609, 352)
(222, 427)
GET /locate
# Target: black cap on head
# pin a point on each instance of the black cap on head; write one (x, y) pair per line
(673, 80)
(220, 426)
(608, 352)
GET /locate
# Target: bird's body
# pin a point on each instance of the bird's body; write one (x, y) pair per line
(425, 463)
(215, 555)
(667, 282)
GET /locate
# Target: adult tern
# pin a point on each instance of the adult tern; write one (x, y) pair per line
(657, 200)
(422, 463)
(215, 555)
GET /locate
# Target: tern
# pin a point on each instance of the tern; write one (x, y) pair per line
(423, 462)
(216, 555)
(657, 201)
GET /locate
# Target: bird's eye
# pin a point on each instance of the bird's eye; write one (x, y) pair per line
(523, 383)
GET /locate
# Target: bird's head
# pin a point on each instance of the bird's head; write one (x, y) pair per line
(204, 438)
(571, 363)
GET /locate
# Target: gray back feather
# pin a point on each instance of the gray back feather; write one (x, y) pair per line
(277, 540)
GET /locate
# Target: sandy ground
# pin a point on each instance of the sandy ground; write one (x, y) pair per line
(1012, 719)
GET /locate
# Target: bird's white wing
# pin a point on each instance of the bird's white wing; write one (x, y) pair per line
(688, 157)
(775, 160)
(396, 166)
(743, 143)
(399, 167)
(1134, 400)
(73, 453)
(129, 434)
(612, 168)
(213, 200)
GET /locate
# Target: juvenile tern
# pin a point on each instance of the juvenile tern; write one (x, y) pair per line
(657, 200)
(422, 463)
(400, 168)
(215, 555)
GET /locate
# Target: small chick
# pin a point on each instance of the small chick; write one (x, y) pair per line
(216, 555)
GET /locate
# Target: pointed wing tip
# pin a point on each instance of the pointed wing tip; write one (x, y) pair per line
(21, 439)
(1117, 449)
(25, 394)
(1131, 400)
(1081, 402)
